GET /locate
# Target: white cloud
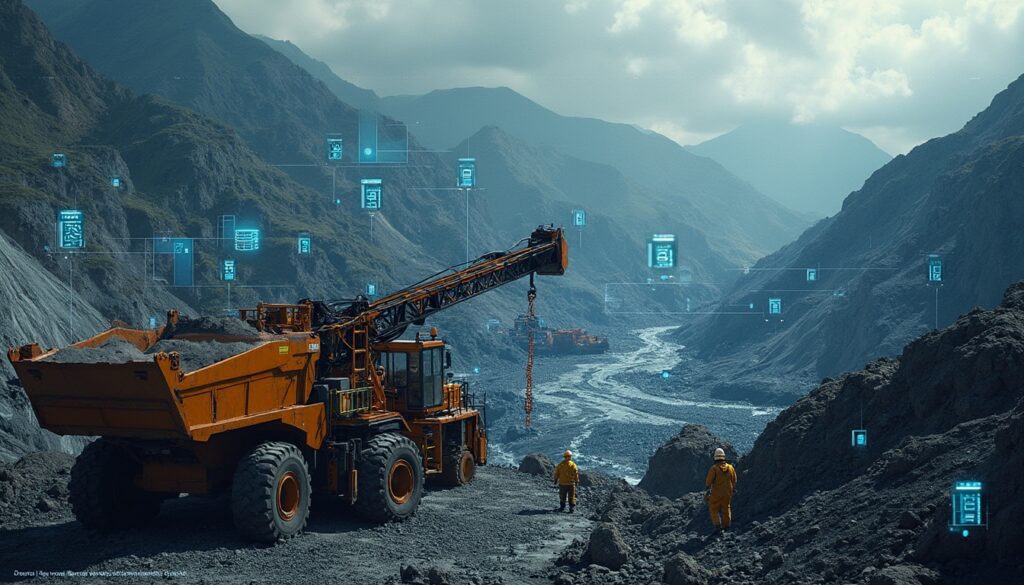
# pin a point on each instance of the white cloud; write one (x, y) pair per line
(627, 17)
(637, 65)
(905, 70)
(574, 6)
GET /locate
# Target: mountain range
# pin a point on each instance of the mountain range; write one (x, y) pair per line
(952, 200)
(809, 168)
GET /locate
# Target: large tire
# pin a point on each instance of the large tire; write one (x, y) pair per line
(390, 479)
(103, 493)
(270, 493)
(459, 467)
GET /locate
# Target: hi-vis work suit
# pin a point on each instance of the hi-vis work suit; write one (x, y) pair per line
(721, 480)
(567, 475)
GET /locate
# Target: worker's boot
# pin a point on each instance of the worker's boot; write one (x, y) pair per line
(572, 509)
(561, 508)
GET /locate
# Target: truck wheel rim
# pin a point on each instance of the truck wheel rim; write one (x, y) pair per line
(467, 467)
(400, 481)
(288, 496)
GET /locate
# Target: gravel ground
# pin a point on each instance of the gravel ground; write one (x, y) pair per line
(499, 529)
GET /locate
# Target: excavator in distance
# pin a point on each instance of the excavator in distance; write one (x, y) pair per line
(327, 399)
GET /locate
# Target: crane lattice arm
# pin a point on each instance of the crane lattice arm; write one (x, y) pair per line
(347, 334)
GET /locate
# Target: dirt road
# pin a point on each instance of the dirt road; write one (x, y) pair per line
(500, 529)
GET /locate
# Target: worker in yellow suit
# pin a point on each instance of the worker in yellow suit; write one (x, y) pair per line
(721, 484)
(567, 475)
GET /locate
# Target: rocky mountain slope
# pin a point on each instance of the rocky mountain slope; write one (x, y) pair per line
(349, 93)
(190, 53)
(808, 168)
(810, 508)
(955, 197)
(735, 218)
(41, 308)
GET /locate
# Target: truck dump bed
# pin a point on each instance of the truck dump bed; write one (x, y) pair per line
(131, 383)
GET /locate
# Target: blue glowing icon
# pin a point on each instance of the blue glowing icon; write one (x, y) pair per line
(247, 240)
(152, 322)
(859, 438)
(305, 244)
(812, 274)
(372, 193)
(934, 268)
(334, 148)
(476, 369)
(467, 173)
(382, 140)
(967, 505)
(71, 229)
(371, 289)
(751, 306)
(579, 218)
(665, 374)
(228, 272)
(774, 306)
(661, 251)
(115, 182)
(58, 160)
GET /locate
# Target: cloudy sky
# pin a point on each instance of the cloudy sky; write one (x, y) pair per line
(897, 71)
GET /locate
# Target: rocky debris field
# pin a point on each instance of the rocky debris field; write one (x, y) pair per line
(194, 354)
(811, 508)
(501, 529)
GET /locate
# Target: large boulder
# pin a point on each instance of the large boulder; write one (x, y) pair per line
(682, 569)
(680, 465)
(537, 464)
(607, 548)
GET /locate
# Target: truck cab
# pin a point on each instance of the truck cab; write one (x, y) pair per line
(442, 413)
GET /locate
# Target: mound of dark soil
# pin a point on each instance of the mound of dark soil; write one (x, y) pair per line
(199, 354)
(226, 326)
(112, 351)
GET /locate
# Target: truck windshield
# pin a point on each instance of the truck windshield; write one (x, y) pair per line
(417, 377)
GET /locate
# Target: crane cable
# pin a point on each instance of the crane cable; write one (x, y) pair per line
(531, 296)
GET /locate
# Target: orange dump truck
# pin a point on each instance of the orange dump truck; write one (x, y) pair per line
(319, 396)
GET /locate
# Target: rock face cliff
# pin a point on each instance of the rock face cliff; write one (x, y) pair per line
(812, 508)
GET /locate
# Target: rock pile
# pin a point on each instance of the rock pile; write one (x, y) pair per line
(537, 464)
(34, 489)
(680, 465)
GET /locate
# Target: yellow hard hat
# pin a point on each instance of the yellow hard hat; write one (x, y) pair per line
(719, 454)
(567, 454)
